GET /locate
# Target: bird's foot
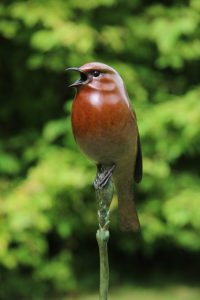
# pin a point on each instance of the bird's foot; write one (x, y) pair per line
(103, 176)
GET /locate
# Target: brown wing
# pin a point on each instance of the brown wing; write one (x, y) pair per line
(138, 162)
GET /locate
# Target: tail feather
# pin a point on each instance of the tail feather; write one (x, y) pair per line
(128, 217)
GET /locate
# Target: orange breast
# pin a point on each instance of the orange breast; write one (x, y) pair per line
(102, 124)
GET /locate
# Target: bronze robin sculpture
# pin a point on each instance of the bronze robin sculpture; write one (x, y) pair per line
(105, 127)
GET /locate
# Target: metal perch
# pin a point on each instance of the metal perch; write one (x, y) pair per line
(104, 197)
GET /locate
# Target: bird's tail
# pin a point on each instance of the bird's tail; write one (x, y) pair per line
(127, 211)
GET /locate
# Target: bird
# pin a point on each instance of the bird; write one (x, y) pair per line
(104, 126)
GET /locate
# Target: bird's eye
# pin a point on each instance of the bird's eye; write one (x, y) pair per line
(96, 73)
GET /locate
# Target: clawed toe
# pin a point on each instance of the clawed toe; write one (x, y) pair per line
(103, 176)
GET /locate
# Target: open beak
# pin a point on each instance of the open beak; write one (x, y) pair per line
(84, 77)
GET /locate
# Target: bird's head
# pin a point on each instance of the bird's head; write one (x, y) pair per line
(97, 76)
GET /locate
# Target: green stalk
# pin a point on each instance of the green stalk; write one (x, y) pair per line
(104, 197)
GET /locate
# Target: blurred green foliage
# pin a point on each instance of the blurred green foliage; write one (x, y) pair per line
(172, 292)
(47, 206)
